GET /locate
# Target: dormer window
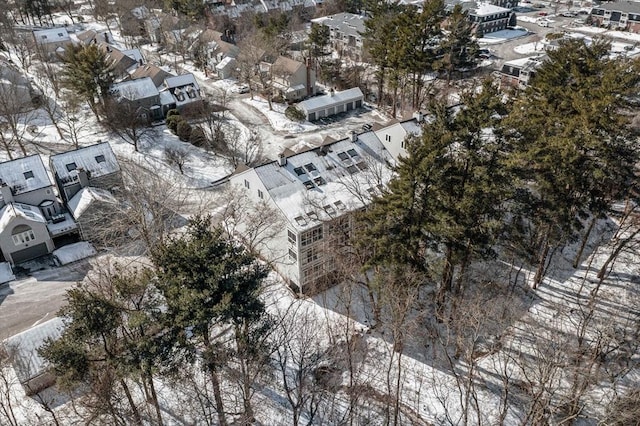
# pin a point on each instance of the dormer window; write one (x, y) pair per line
(100, 159)
(28, 175)
(71, 166)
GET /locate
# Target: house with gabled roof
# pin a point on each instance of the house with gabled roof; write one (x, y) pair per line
(184, 89)
(155, 73)
(141, 96)
(518, 72)
(294, 80)
(52, 43)
(619, 15)
(332, 103)
(32, 216)
(123, 62)
(89, 207)
(315, 191)
(94, 165)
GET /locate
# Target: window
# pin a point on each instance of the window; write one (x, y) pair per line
(352, 153)
(312, 215)
(311, 255)
(291, 237)
(301, 221)
(320, 181)
(309, 185)
(28, 175)
(330, 210)
(22, 234)
(246, 184)
(71, 166)
(387, 138)
(311, 236)
(100, 159)
(260, 194)
(310, 167)
(299, 171)
(352, 169)
(343, 156)
(340, 205)
(293, 255)
(362, 166)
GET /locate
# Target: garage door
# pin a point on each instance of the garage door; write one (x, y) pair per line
(312, 116)
(29, 253)
(340, 108)
(358, 104)
(349, 106)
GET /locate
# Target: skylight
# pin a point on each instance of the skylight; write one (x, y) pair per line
(299, 171)
(352, 152)
(71, 166)
(352, 169)
(301, 221)
(329, 209)
(310, 167)
(28, 174)
(312, 215)
(343, 156)
(100, 159)
(362, 165)
(309, 185)
(340, 205)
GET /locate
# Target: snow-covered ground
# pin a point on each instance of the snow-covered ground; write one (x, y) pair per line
(74, 252)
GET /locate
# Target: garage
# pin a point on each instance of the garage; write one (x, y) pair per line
(331, 103)
(29, 253)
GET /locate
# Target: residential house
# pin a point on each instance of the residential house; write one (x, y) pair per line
(155, 73)
(345, 33)
(89, 207)
(314, 192)
(31, 369)
(52, 43)
(141, 96)
(122, 62)
(31, 214)
(332, 103)
(185, 91)
(90, 166)
(394, 135)
(487, 17)
(518, 72)
(293, 80)
(619, 15)
(214, 48)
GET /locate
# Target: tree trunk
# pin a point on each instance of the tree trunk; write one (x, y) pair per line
(154, 396)
(542, 261)
(215, 379)
(134, 409)
(585, 239)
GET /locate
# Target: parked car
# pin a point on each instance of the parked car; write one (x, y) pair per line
(366, 127)
(539, 6)
(568, 14)
(242, 88)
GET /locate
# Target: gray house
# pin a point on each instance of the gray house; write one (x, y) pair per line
(94, 165)
(331, 104)
(141, 96)
(31, 214)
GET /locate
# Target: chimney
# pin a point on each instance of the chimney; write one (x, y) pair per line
(354, 136)
(282, 160)
(83, 178)
(7, 195)
(106, 37)
(418, 116)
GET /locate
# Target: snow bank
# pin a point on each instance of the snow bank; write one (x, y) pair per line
(502, 36)
(277, 118)
(6, 274)
(74, 252)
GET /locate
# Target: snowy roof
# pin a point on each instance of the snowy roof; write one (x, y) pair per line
(485, 9)
(25, 174)
(286, 66)
(51, 35)
(622, 6)
(181, 81)
(14, 210)
(328, 180)
(85, 197)
(98, 160)
(347, 23)
(325, 101)
(226, 61)
(134, 54)
(136, 89)
(24, 346)
(166, 98)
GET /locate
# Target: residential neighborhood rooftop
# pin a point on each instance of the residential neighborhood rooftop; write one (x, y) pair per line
(97, 159)
(25, 174)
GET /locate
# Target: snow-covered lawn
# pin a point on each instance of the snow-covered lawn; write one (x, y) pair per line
(6, 274)
(277, 118)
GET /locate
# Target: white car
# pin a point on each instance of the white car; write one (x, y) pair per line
(241, 88)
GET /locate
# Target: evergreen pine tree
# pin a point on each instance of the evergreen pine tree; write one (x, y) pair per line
(207, 281)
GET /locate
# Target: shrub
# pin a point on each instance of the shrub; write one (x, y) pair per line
(172, 112)
(172, 123)
(294, 114)
(184, 130)
(198, 138)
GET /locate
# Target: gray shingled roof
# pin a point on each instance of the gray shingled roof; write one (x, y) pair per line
(622, 6)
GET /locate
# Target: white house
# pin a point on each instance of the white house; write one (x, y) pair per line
(315, 191)
(331, 104)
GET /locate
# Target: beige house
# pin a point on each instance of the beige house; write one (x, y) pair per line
(294, 80)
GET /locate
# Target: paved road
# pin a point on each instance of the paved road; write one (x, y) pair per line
(30, 301)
